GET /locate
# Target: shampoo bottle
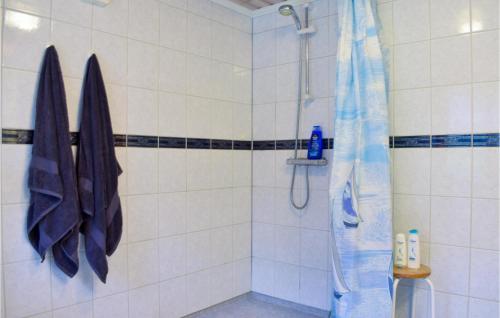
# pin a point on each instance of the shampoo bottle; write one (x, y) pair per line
(315, 148)
(400, 257)
(413, 250)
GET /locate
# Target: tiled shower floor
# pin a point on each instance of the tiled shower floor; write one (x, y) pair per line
(253, 306)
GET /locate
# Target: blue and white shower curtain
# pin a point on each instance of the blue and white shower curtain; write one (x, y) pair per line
(360, 196)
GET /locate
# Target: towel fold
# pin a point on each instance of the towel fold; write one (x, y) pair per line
(98, 172)
(53, 213)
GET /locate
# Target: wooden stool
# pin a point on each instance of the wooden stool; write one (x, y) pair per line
(407, 273)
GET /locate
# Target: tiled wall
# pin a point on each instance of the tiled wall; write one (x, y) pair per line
(445, 80)
(172, 68)
(290, 257)
(444, 103)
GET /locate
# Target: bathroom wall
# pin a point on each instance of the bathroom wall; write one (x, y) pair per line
(444, 94)
(290, 252)
(172, 68)
(444, 71)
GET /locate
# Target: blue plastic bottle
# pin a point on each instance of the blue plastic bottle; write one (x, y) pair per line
(315, 147)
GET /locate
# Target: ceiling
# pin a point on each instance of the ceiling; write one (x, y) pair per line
(256, 4)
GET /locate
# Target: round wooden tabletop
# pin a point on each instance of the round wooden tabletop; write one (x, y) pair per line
(409, 273)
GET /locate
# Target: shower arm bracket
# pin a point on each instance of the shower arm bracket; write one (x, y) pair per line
(308, 30)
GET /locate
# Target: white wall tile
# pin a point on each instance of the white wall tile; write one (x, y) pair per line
(485, 107)
(484, 275)
(485, 172)
(172, 213)
(485, 52)
(263, 204)
(198, 114)
(222, 42)
(411, 21)
(242, 241)
(285, 213)
(262, 276)
(451, 60)
(484, 14)
(412, 65)
(412, 112)
(198, 290)
(173, 297)
(263, 168)
(242, 168)
(200, 7)
(38, 7)
(23, 45)
(18, 107)
(172, 115)
(313, 287)
(27, 280)
(112, 18)
(479, 308)
(263, 240)
(221, 245)
(450, 277)
(451, 172)
(72, 11)
(15, 163)
(264, 85)
(198, 163)
(314, 248)
(114, 306)
(484, 224)
(449, 17)
(451, 109)
(117, 103)
(144, 20)
(242, 276)
(14, 235)
(144, 302)
(448, 305)
(172, 255)
(142, 217)
(172, 170)
(143, 263)
(221, 207)
(222, 120)
(173, 27)
(198, 35)
(286, 281)
(412, 212)
(198, 210)
(317, 215)
(142, 64)
(264, 122)
(221, 283)
(172, 72)
(198, 251)
(450, 221)
(83, 310)
(142, 167)
(412, 171)
(287, 45)
(242, 205)
(287, 244)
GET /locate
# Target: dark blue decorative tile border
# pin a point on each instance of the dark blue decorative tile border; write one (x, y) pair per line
(222, 144)
(264, 145)
(142, 141)
(24, 136)
(451, 141)
(17, 136)
(486, 140)
(198, 143)
(285, 144)
(411, 141)
(172, 142)
(242, 145)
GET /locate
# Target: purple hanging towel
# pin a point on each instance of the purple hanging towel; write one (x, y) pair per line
(53, 214)
(98, 172)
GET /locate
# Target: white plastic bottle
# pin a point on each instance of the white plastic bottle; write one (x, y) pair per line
(413, 250)
(401, 256)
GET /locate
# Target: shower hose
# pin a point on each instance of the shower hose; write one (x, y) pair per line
(297, 128)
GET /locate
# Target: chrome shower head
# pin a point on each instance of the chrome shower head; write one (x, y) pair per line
(288, 10)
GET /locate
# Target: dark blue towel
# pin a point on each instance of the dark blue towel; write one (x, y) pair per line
(53, 215)
(98, 172)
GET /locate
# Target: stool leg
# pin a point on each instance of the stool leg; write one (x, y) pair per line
(433, 299)
(394, 293)
(413, 298)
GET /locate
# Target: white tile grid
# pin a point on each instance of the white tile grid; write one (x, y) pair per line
(290, 253)
(455, 231)
(123, 290)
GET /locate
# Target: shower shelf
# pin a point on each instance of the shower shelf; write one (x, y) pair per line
(307, 162)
